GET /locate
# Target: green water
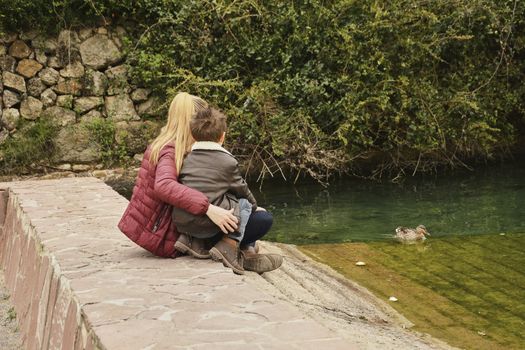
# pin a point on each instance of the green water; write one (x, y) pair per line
(489, 200)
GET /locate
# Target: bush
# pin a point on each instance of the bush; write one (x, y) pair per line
(319, 87)
(33, 145)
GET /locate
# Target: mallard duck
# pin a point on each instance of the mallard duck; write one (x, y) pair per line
(405, 234)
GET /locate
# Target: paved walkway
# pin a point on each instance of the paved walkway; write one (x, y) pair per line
(99, 290)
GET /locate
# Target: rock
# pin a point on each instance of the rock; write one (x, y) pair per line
(68, 87)
(392, 299)
(68, 39)
(99, 52)
(19, 49)
(61, 116)
(10, 118)
(152, 107)
(29, 35)
(2, 50)
(47, 45)
(74, 144)
(54, 62)
(14, 81)
(10, 98)
(360, 263)
(8, 38)
(49, 76)
(31, 108)
(138, 158)
(140, 95)
(118, 80)
(64, 167)
(95, 83)
(73, 70)
(91, 116)
(35, 87)
(85, 104)
(120, 107)
(85, 33)
(7, 63)
(28, 68)
(102, 30)
(48, 97)
(40, 56)
(81, 167)
(65, 101)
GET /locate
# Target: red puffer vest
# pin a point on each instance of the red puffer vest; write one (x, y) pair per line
(147, 219)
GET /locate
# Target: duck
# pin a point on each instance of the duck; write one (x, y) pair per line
(404, 234)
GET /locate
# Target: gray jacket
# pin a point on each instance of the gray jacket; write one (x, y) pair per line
(212, 170)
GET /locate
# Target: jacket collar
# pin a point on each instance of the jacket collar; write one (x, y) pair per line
(208, 145)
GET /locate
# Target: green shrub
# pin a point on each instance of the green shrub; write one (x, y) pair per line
(103, 133)
(316, 87)
(31, 146)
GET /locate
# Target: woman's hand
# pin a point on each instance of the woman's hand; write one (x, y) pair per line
(222, 218)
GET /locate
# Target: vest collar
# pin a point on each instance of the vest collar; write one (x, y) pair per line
(208, 145)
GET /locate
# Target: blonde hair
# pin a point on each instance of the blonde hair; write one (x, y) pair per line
(177, 129)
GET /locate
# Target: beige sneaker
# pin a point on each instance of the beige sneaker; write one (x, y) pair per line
(195, 247)
(262, 262)
(229, 255)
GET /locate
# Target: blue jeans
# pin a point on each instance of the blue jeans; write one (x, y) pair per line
(245, 209)
(258, 225)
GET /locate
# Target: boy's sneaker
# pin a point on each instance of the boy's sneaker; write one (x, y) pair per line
(261, 263)
(229, 255)
(195, 247)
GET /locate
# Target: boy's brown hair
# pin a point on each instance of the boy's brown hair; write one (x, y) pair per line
(208, 125)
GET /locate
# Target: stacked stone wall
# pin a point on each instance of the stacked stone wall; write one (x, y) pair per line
(74, 78)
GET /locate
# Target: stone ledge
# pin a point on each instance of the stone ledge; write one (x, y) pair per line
(78, 283)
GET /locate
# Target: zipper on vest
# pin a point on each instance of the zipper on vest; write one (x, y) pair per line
(159, 218)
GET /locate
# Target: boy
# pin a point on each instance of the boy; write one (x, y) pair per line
(212, 170)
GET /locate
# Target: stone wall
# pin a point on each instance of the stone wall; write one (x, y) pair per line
(73, 78)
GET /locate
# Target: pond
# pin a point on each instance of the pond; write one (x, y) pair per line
(465, 284)
(488, 201)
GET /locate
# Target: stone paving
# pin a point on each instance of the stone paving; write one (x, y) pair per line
(78, 283)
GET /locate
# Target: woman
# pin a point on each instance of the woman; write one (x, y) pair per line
(147, 220)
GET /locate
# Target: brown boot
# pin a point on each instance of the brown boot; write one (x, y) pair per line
(229, 254)
(195, 247)
(262, 262)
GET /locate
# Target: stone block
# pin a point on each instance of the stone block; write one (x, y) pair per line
(28, 68)
(7, 63)
(49, 76)
(10, 118)
(31, 108)
(65, 101)
(99, 51)
(118, 80)
(73, 70)
(68, 87)
(95, 83)
(14, 81)
(120, 107)
(140, 95)
(60, 116)
(75, 144)
(85, 104)
(10, 98)
(48, 97)
(19, 49)
(35, 87)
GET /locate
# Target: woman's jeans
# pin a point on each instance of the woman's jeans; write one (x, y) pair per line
(258, 225)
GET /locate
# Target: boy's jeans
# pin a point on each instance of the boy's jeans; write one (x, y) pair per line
(245, 209)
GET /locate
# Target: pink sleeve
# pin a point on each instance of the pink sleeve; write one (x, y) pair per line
(170, 191)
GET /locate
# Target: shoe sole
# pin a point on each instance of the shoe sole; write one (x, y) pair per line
(216, 255)
(180, 247)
